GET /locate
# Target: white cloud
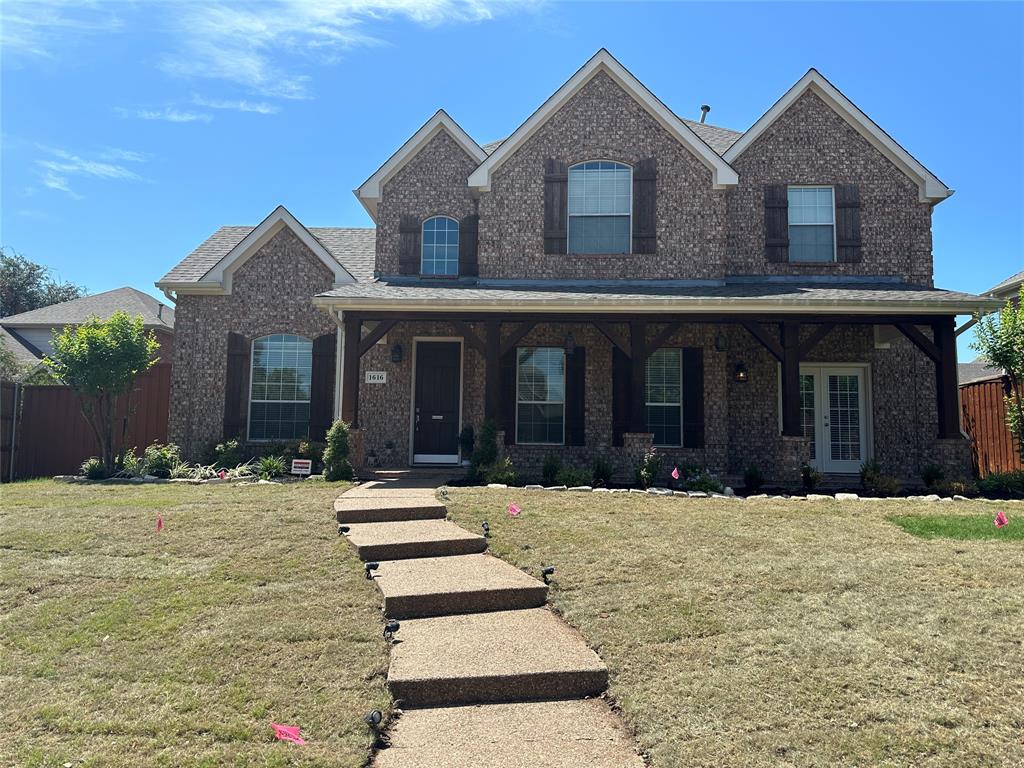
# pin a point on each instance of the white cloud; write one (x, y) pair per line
(238, 105)
(55, 172)
(167, 114)
(40, 27)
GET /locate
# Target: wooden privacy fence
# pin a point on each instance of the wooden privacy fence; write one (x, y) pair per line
(992, 445)
(44, 432)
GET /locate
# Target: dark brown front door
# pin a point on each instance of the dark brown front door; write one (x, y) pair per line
(436, 408)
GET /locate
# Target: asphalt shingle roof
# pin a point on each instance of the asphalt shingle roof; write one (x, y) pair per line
(102, 305)
(979, 370)
(1011, 282)
(24, 353)
(353, 247)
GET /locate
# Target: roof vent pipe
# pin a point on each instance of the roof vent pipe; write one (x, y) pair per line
(704, 109)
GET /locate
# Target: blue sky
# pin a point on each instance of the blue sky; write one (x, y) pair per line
(132, 130)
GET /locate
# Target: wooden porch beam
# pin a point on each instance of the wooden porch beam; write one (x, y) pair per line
(920, 341)
(350, 371)
(766, 339)
(664, 335)
(638, 380)
(815, 338)
(947, 395)
(791, 425)
(378, 333)
(517, 335)
(469, 336)
(492, 373)
(609, 332)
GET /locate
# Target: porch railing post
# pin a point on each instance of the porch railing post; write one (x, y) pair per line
(791, 379)
(638, 388)
(492, 361)
(946, 391)
(350, 371)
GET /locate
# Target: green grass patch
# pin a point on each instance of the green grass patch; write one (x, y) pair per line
(960, 527)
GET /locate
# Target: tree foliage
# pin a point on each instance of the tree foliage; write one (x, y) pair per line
(1000, 340)
(10, 369)
(25, 285)
(100, 360)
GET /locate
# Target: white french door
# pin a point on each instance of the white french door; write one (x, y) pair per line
(834, 415)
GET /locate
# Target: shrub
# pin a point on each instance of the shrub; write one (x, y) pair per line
(485, 452)
(501, 472)
(93, 468)
(959, 487)
(702, 480)
(869, 470)
(131, 464)
(648, 468)
(467, 441)
(753, 479)
(312, 450)
(159, 459)
(335, 456)
(932, 475)
(885, 485)
(570, 476)
(550, 469)
(809, 477)
(1003, 484)
(226, 454)
(271, 466)
(601, 470)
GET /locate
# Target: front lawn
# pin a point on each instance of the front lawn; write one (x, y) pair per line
(120, 646)
(974, 526)
(783, 633)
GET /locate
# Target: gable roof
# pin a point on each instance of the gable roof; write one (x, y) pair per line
(218, 266)
(722, 174)
(979, 370)
(369, 191)
(155, 314)
(25, 354)
(931, 189)
(1008, 288)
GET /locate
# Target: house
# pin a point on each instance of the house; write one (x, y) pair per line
(28, 335)
(1008, 289)
(608, 278)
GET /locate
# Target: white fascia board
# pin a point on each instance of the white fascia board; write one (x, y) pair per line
(219, 276)
(722, 173)
(370, 190)
(215, 289)
(931, 188)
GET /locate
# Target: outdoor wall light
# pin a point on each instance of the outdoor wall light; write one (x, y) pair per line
(396, 353)
(390, 628)
(369, 568)
(570, 344)
(720, 345)
(741, 374)
(487, 529)
(547, 572)
(342, 530)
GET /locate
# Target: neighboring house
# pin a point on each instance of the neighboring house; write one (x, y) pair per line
(608, 278)
(1008, 289)
(29, 334)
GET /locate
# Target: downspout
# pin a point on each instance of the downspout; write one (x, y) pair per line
(339, 358)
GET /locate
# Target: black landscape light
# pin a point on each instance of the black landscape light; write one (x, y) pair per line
(487, 529)
(342, 530)
(369, 568)
(373, 719)
(547, 572)
(390, 628)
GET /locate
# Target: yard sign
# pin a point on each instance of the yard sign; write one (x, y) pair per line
(302, 466)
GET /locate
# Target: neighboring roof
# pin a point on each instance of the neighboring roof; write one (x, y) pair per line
(979, 370)
(155, 313)
(370, 190)
(1007, 289)
(722, 174)
(738, 296)
(26, 355)
(931, 189)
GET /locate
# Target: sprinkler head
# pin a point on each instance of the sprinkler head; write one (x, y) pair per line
(369, 568)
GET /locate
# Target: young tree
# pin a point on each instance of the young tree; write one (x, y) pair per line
(99, 360)
(25, 285)
(1000, 340)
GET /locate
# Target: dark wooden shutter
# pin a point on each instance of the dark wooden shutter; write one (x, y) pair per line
(409, 245)
(576, 397)
(776, 223)
(645, 206)
(622, 375)
(556, 206)
(321, 393)
(693, 397)
(847, 223)
(236, 387)
(468, 235)
(508, 396)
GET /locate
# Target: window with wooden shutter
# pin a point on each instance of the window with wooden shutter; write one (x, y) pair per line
(468, 236)
(321, 405)
(556, 206)
(847, 223)
(693, 397)
(776, 223)
(645, 206)
(576, 397)
(236, 387)
(409, 245)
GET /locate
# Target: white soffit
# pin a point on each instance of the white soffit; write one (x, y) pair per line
(370, 190)
(723, 175)
(931, 189)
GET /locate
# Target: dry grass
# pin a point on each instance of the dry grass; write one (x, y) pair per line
(783, 633)
(123, 647)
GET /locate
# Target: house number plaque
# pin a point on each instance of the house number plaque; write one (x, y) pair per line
(376, 377)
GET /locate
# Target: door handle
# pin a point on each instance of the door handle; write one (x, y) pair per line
(437, 418)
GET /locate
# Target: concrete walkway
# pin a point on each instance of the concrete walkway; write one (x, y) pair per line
(485, 675)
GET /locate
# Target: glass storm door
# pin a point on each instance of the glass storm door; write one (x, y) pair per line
(833, 415)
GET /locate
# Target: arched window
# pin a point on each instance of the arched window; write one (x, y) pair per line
(282, 372)
(440, 255)
(600, 207)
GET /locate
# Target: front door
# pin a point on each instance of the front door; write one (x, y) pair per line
(436, 402)
(834, 416)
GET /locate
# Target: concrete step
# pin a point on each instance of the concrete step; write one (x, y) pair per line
(492, 657)
(390, 509)
(552, 734)
(441, 586)
(412, 538)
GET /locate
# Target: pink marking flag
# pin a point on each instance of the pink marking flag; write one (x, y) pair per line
(514, 510)
(159, 523)
(222, 474)
(675, 473)
(1001, 521)
(287, 733)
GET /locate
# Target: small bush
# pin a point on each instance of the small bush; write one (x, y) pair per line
(501, 472)
(159, 459)
(885, 485)
(648, 468)
(869, 470)
(312, 450)
(226, 454)
(570, 476)
(702, 480)
(753, 479)
(932, 475)
(485, 452)
(93, 468)
(335, 455)
(601, 470)
(131, 464)
(550, 469)
(809, 477)
(467, 441)
(959, 487)
(271, 466)
(1003, 484)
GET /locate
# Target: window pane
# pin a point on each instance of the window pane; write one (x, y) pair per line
(540, 411)
(539, 423)
(600, 188)
(664, 377)
(440, 246)
(599, 234)
(665, 421)
(282, 372)
(811, 243)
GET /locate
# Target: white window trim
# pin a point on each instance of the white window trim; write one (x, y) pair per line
(835, 247)
(569, 216)
(648, 404)
(423, 244)
(540, 402)
(248, 408)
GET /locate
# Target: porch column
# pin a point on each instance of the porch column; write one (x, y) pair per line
(638, 389)
(791, 426)
(947, 396)
(350, 371)
(492, 374)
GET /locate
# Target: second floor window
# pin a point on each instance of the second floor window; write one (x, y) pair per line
(600, 206)
(812, 230)
(440, 254)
